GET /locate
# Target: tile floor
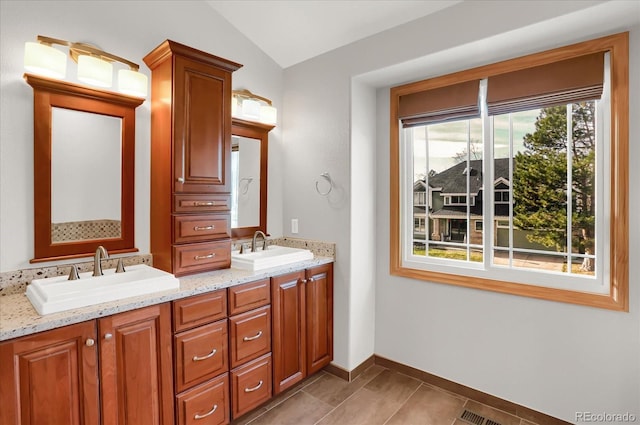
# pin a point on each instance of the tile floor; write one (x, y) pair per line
(378, 396)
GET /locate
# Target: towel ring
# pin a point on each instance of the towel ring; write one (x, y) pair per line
(327, 177)
(246, 187)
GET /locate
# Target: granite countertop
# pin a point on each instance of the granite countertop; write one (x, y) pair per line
(19, 318)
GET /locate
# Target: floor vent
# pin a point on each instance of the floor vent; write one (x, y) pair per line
(475, 419)
(472, 418)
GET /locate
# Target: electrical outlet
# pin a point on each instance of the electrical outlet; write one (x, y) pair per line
(294, 225)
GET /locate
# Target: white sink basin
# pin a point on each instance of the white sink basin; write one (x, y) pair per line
(55, 294)
(273, 256)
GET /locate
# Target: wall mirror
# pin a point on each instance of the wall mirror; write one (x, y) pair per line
(249, 151)
(84, 154)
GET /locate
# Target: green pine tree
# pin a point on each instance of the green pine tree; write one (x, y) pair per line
(540, 179)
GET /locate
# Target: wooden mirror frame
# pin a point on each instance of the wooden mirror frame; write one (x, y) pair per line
(260, 131)
(49, 93)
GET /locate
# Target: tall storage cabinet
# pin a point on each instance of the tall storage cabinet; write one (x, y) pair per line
(190, 159)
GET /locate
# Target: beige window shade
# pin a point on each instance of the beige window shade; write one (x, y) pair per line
(458, 101)
(572, 80)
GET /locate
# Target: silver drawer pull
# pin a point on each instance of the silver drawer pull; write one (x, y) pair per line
(204, 257)
(251, 338)
(204, 204)
(209, 413)
(250, 390)
(208, 356)
(180, 179)
(198, 228)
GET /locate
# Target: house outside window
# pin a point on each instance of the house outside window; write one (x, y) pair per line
(536, 169)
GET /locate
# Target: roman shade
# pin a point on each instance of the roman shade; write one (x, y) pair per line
(573, 80)
(457, 101)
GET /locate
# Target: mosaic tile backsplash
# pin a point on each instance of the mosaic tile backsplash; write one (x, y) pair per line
(83, 230)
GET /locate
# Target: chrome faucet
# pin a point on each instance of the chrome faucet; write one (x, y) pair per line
(101, 253)
(253, 241)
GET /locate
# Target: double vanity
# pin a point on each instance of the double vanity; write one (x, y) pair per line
(208, 333)
(218, 346)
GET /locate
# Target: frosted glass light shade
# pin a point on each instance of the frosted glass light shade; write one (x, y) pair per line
(251, 109)
(44, 60)
(95, 71)
(235, 107)
(268, 114)
(133, 83)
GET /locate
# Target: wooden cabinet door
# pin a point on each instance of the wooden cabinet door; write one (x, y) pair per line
(319, 312)
(288, 337)
(135, 367)
(202, 127)
(50, 377)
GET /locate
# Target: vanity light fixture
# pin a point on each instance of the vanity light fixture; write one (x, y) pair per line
(249, 106)
(95, 71)
(94, 65)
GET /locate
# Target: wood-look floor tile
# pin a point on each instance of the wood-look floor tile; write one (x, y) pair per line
(291, 391)
(428, 406)
(333, 390)
(499, 416)
(393, 384)
(365, 407)
(245, 419)
(375, 402)
(299, 409)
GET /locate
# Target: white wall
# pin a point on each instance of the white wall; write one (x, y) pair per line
(128, 29)
(552, 357)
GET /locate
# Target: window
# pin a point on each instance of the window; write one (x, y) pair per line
(419, 198)
(529, 143)
(458, 200)
(501, 196)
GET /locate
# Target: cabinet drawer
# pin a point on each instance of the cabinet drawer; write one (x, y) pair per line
(250, 385)
(250, 335)
(249, 296)
(207, 404)
(193, 258)
(201, 203)
(199, 310)
(201, 354)
(196, 228)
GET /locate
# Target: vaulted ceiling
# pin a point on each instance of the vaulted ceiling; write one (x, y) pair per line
(292, 31)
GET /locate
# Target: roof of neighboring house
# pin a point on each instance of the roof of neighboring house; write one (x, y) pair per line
(419, 186)
(454, 179)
